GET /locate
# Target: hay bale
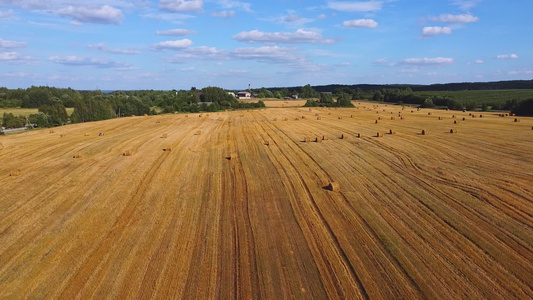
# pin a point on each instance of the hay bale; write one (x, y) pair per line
(429, 114)
(199, 116)
(318, 118)
(392, 118)
(310, 109)
(78, 155)
(340, 118)
(318, 140)
(157, 122)
(86, 134)
(127, 153)
(379, 134)
(307, 140)
(470, 114)
(329, 113)
(402, 118)
(303, 117)
(379, 118)
(440, 118)
(516, 120)
(168, 149)
(392, 132)
(351, 116)
(198, 132)
(316, 115)
(333, 186)
(344, 137)
(453, 116)
(164, 136)
(359, 135)
(62, 135)
(412, 111)
(325, 138)
(464, 119)
(455, 122)
(424, 132)
(15, 172)
(51, 131)
(267, 143)
(481, 116)
(145, 115)
(453, 130)
(376, 122)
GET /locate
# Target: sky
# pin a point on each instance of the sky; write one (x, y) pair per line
(176, 44)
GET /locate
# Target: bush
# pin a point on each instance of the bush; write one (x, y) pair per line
(524, 108)
(311, 103)
(427, 103)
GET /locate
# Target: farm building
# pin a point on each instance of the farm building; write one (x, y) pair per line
(244, 95)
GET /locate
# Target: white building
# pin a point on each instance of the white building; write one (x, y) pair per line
(244, 95)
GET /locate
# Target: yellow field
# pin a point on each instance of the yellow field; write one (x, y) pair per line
(238, 207)
(24, 111)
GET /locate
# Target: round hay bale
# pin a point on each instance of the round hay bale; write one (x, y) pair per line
(62, 135)
(127, 153)
(199, 116)
(164, 136)
(145, 115)
(168, 149)
(267, 143)
(86, 134)
(516, 120)
(379, 118)
(453, 130)
(402, 118)
(376, 122)
(379, 134)
(303, 117)
(318, 118)
(453, 116)
(359, 135)
(329, 113)
(325, 138)
(340, 118)
(78, 155)
(464, 119)
(351, 116)
(455, 122)
(296, 119)
(481, 116)
(392, 118)
(412, 111)
(333, 186)
(440, 118)
(318, 140)
(15, 172)
(392, 132)
(344, 137)
(424, 132)
(316, 115)
(51, 131)
(470, 114)
(198, 132)
(429, 114)
(307, 140)
(157, 122)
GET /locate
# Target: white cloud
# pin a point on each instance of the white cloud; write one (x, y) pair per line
(176, 32)
(301, 36)
(356, 6)
(428, 61)
(181, 5)
(224, 14)
(6, 14)
(479, 62)
(436, 30)
(102, 15)
(448, 18)
(17, 58)
(103, 47)
(507, 56)
(229, 4)
(73, 60)
(12, 44)
(360, 23)
(189, 69)
(384, 62)
(321, 16)
(465, 4)
(172, 45)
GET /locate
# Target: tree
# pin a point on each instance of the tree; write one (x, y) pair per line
(378, 96)
(428, 103)
(307, 92)
(344, 100)
(326, 98)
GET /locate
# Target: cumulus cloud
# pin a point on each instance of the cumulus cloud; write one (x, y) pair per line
(301, 36)
(12, 44)
(233, 4)
(384, 62)
(360, 23)
(448, 18)
(17, 58)
(428, 61)
(103, 47)
(73, 60)
(507, 56)
(479, 62)
(172, 45)
(6, 14)
(435, 30)
(101, 15)
(181, 5)
(176, 32)
(351, 6)
(465, 4)
(224, 14)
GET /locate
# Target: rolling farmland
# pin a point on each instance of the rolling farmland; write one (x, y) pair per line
(235, 205)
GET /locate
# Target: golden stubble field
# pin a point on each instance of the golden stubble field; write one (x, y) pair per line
(236, 207)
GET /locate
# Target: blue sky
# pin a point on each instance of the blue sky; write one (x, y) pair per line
(174, 44)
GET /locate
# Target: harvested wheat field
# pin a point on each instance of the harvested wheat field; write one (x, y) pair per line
(248, 210)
